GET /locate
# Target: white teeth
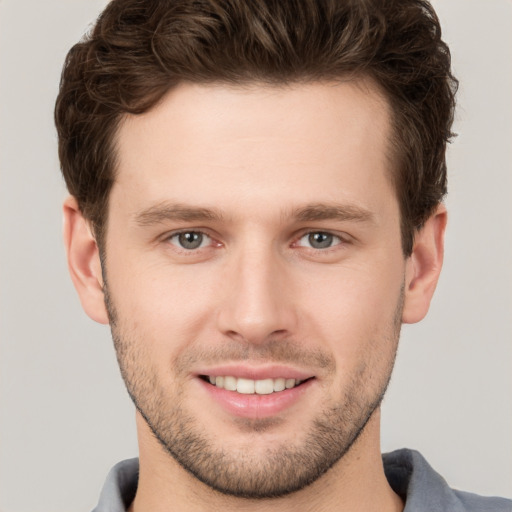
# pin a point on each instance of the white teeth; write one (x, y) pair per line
(245, 386)
(230, 383)
(289, 383)
(264, 387)
(279, 385)
(250, 387)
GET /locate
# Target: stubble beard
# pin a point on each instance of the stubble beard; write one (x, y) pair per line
(271, 472)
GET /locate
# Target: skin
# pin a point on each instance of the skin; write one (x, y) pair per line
(271, 165)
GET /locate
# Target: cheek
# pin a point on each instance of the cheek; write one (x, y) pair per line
(164, 306)
(352, 310)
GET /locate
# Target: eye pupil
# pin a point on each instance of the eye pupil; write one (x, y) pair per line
(190, 240)
(320, 240)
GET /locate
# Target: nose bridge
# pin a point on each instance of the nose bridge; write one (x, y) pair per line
(256, 305)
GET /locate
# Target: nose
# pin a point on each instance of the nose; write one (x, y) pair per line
(257, 299)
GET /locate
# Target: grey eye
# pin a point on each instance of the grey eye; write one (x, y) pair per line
(190, 240)
(320, 240)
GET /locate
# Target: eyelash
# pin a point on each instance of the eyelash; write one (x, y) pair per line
(177, 234)
(335, 238)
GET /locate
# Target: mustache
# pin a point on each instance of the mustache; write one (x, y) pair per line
(273, 351)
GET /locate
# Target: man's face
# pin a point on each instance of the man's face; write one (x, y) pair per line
(254, 241)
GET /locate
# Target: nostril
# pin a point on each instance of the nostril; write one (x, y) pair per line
(279, 332)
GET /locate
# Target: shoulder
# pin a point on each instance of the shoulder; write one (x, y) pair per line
(120, 487)
(424, 490)
(475, 503)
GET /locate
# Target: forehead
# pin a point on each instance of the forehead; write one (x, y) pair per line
(219, 144)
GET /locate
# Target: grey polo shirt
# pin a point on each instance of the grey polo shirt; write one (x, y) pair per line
(408, 473)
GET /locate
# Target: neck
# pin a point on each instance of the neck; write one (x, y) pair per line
(356, 483)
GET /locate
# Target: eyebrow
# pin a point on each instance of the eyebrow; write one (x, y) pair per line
(163, 212)
(321, 211)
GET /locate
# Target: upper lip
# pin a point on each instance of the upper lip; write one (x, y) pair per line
(259, 372)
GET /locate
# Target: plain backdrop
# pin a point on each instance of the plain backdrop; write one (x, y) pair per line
(65, 418)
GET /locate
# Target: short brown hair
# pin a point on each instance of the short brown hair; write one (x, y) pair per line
(140, 49)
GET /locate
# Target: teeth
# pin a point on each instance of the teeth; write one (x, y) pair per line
(245, 386)
(279, 384)
(230, 383)
(264, 387)
(250, 387)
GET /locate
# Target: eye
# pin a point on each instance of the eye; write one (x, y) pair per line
(190, 240)
(319, 240)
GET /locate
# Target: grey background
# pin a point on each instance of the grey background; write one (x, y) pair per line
(64, 415)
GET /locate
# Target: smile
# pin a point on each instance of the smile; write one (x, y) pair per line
(250, 386)
(256, 392)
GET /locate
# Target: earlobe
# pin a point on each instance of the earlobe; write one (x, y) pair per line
(84, 261)
(424, 266)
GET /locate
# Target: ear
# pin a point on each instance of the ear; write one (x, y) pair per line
(424, 266)
(84, 261)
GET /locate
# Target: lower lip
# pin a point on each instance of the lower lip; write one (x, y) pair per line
(256, 406)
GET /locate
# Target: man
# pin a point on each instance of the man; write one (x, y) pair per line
(256, 207)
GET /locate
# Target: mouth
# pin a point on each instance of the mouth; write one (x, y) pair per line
(256, 392)
(246, 386)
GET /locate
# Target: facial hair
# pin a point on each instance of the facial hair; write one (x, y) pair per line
(273, 471)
